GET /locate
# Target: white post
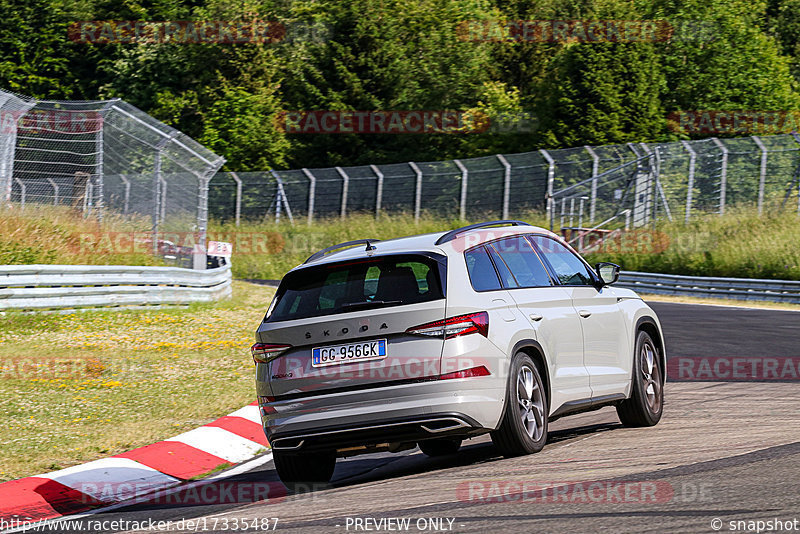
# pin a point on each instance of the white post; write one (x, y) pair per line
(127, 193)
(163, 200)
(379, 191)
(690, 184)
(22, 192)
(238, 208)
(55, 191)
(723, 179)
(312, 190)
(506, 184)
(551, 173)
(463, 199)
(655, 170)
(595, 171)
(284, 201)
(345, 191)
(762, 175)
(571, 211)
(418, 191)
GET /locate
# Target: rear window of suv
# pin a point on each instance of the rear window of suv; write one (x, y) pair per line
(357, 285)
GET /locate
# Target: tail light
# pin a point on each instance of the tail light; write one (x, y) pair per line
(466, 373)
(455, 326)
(265, 352)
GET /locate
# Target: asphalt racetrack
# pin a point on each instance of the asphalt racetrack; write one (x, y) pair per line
(725, 456)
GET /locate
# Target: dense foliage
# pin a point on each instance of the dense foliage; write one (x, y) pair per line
(412, 55)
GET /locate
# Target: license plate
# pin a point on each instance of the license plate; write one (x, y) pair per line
(351, 352)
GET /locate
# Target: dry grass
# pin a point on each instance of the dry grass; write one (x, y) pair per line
(58, 235)
(80, 387)
(739, 244)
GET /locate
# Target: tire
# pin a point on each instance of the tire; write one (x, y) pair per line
(646, 404)
(440, 447)
(523, 429)
(300, 471)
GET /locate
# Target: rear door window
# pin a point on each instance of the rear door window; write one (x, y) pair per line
(357, 285)
(523, 261)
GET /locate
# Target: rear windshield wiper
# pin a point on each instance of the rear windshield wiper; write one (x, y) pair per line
(370, 303)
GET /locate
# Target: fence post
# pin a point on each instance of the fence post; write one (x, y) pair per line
(156, 196)
(88, 197)
(312, 193)
(595, 170)
(163, 200)
(655, 169)
(127, 193)
(99, 170)
(238, 207)
(506, 184)
(417, 192)
(551, 173)
(379, 191)
(690, 185)
(345, 190)
(55, 191)
(281, 200)
(199, 259)
(463, 199)
(723, 178)
(22, 192)
(762, 175)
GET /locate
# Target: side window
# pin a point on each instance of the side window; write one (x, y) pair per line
(481, 271)
(505, 275)
(523, 262)
(570, 269)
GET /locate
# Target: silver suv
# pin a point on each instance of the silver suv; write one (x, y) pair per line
(498, 327)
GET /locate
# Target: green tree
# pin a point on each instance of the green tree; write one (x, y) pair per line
(725, 63)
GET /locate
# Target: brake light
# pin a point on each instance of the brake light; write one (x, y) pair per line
(265, 352)
(460, 325)
(467, 373)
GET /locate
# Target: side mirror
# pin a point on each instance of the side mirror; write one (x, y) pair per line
(608, 272)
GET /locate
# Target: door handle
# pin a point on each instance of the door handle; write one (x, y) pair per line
(584, 313)
(535, 317)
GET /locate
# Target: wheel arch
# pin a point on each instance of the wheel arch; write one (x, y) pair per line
(533, 349)
(650, 325)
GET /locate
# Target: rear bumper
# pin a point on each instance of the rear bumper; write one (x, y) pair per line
(378, 432)
(399, 413)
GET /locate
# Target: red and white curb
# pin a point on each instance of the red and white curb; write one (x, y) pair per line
(229, 440)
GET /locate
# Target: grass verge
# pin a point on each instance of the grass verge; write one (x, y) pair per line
(739, 244)
(85, 386)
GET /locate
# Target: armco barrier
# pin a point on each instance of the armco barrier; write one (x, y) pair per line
(41, 287)
(709, 287)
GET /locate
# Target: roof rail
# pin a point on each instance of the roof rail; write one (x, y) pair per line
(451, 235)
(323, 252)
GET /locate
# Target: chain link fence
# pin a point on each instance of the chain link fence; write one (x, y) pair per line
(103, 158)
(593, 186)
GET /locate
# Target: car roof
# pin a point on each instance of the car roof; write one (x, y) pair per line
(427, 243)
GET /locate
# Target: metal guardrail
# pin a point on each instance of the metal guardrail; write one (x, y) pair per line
(709, 287)
(42, 287)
